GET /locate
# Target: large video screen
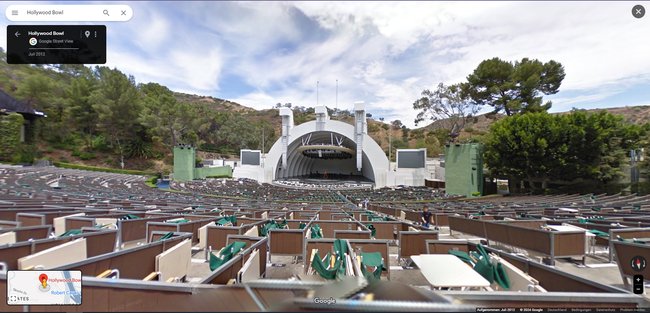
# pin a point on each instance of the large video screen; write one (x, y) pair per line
(411, 158)
(250, 157)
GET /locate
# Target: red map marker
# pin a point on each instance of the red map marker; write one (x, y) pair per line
(43, 280)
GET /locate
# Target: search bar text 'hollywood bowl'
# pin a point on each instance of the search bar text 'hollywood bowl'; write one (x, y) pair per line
(69, 13)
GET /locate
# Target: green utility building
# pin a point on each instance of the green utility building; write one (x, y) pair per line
(184, 170)
(464, 169)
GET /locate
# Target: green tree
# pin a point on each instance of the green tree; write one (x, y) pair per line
(36, 90)
(449, 106)
(540, 148)
(405, 133)
(74, 70)
(236, 132)
(267, 132)
(80, 112)
(514, 87)
(441, 134)
(10, 145)
(117, 102)
(46, 94)
(431, 143)
(397, 144)
(167, 119)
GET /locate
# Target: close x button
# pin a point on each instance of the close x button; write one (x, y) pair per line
(637, 284)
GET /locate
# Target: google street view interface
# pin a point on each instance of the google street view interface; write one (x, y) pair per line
(333, 156)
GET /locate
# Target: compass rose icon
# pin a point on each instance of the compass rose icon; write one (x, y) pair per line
(638, 263)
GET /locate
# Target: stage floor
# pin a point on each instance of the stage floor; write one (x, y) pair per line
(354, 182)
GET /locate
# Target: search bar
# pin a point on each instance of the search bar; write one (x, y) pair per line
(68, 13)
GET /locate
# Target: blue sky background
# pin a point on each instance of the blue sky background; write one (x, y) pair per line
(383, 53)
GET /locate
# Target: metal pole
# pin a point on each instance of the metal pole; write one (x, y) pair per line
(337, 95)
(634, 175)
(390, 144)
(317, 93)
(263, 140)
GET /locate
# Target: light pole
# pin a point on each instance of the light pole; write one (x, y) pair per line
(635, 157)
(390, 143)
(336, 107)
(263, 139)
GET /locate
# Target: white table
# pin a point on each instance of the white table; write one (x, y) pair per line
(448, 271)
(565, 228)
(590, 239)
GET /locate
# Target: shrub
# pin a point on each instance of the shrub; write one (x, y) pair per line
(218, 176)
(10, 145)
(151, 181)
(99, 143)
(59, 146)
(86, 156)
(138, 149)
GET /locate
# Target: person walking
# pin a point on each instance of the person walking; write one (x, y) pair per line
(426, 217)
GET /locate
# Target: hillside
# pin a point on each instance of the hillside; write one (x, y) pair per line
(633, 114)
(213, 103)
(481, 124)
(97, 116)
(382, 131)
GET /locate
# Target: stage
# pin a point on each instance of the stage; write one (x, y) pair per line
(341, 182)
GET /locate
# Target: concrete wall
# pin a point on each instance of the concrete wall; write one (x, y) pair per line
(255, 172)
(184, 170)
(406, 177)
(463, 169)
(203, 172)
(212, 163)
(434, 170)
(184, 158)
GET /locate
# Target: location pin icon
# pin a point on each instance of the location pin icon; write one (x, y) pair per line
(43, 279)
(87, 33)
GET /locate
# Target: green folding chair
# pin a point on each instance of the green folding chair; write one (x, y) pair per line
(71, 232)
(490, 271)
(372, 259)
(463, 256)
(225, 254)
(316, 232)
(373, 230)
(599, 233)
(166, 236)
(129, 217)
(322, 270)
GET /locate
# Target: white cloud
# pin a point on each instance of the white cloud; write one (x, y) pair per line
(155, 36)
(566, 104)
(184, 74)
(158, 47)
(383, 53)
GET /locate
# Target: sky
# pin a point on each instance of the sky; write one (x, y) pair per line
(382, 53)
